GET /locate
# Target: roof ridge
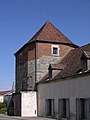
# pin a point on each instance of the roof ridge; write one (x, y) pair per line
(39, 31)
(48, 32)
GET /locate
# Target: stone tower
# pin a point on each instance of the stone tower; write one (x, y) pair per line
(47, 46)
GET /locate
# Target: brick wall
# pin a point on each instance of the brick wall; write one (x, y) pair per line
(33, 61)
(45, 49)
(25, 68)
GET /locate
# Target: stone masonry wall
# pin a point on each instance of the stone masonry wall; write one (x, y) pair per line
(43, 64)
(26, 76)
(31, 75)
(21, 83)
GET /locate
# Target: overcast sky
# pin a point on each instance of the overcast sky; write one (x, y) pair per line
(21, 19)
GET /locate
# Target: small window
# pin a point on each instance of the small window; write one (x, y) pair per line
(49, 105)
(83, 108)
(64, 108)
(55, 50)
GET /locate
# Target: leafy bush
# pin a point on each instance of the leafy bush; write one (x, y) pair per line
(2, 105)
(3, 108)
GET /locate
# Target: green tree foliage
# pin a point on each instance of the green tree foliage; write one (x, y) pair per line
(3, 108)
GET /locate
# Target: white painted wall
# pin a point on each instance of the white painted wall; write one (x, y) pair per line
(72, 89)
(1, 98)
(28, 104)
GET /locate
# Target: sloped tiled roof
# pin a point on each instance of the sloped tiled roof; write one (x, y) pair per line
(2, 93)
(72, 62)
(50, 33)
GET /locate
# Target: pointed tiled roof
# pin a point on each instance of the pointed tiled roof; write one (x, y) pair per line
(50, 33)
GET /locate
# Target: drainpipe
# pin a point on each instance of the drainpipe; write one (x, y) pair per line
(35, 88)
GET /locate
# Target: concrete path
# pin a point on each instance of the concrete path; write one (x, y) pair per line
(4, 117)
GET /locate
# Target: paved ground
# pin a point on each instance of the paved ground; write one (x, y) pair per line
(4, 117)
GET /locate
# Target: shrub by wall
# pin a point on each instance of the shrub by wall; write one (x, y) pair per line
(3, 108)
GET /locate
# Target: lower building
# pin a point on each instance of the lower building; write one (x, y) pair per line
(66, 99)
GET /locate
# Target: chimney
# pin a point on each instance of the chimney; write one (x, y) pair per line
(50, 71)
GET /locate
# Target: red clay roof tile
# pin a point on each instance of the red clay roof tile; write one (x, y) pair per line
(2, 93)
(72, 61)
(50, 33)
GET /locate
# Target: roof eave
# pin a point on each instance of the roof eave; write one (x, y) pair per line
(45, 41)
(67, 77)
(25, 45)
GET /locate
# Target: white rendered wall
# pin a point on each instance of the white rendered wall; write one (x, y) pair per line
(1, 98)
(72, 89)
(28, 104)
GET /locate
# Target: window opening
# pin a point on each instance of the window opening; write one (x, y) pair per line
(55, 49)
(49, 107)
(64, 108)
(82, 107)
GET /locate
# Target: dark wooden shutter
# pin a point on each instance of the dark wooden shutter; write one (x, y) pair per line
(46, 107)
(78, 109)
(52, 104)
(67, 108)
(60, 108)
(88, 108)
